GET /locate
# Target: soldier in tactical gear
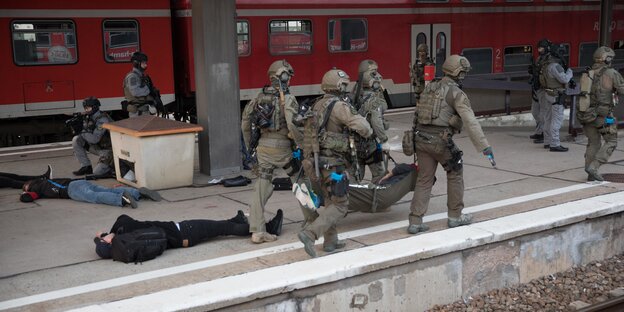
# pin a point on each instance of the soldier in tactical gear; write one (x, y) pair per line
(136, 88)
(441, 112)
(597, 119)
(371, 105)
(417, 72)
(543, 48)
(95, 139)
(335, 118)
(271, 113)
(553, 79)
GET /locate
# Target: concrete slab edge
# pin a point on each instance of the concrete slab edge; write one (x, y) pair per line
(282, 279)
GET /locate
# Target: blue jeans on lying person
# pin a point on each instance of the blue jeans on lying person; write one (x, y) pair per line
(85, 191)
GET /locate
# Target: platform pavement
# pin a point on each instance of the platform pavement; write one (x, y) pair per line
(47, 245)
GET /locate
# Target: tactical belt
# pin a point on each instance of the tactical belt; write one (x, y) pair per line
(432, 129)
(278, 143)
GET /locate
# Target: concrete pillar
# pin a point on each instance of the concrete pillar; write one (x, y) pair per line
(606, 16)
(217, 88)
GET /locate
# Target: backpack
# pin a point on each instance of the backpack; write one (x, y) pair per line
(139, 245)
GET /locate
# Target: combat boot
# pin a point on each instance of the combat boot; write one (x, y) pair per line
(417, 228)
(464, 219)
(593, 175)
(308, 244)
(275, 225)
(536, 136)
(240, 218)
(332, 246)
(261, 237)
(83, 170)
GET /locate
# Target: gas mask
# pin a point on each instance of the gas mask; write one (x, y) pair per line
(608, 60)
(284, 77)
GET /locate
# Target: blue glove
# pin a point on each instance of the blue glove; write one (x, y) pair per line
(488, 152)
(379, 146)
(337, 177)
(296, 154)
(609, 120)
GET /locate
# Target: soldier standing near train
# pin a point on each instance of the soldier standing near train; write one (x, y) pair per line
(417, 72)
(326, 146)
(271, 114)
(136, 86)
(536, 110)
(597, 115)
(442, 110)
(553, 79)
(371, 105)
(95, 139)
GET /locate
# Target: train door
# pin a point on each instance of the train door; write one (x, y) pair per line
(438, 39)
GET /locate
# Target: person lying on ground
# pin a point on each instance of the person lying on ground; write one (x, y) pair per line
(187, 233)
(85, 191)
(16, 181)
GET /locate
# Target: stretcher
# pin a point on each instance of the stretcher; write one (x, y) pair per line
(373, 198)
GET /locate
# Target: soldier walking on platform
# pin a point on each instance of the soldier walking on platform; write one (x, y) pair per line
(553, 79)
(271, 113)
(597, 119)
(371, 105)
(136, 86)
(417, 72)
(441, 112)
(95, 139)
(332, 121)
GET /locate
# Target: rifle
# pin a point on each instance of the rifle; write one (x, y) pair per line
(155, 94)
(354, 157)
(76, 123)
(358, 92)
(254, 139)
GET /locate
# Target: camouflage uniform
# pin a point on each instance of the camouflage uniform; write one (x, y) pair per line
(274, 149)
(442, 110)
(334, 147)
(606, 81)
(418, 69)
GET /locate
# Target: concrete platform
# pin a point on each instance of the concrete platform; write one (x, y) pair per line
(47, 259)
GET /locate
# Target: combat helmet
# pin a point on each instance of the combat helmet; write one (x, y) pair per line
(92, 102)
(546, 44)
(367, 65)
(422, 48)
(370, 79)
(137, 58)
(335, 81)
(280, 70)
(604, 55)
(455, 64)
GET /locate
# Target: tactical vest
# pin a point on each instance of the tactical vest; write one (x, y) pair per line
(432, 108)
(128, 95)
(547, 81)
(105, 141)
(330, 143)
(599, 95)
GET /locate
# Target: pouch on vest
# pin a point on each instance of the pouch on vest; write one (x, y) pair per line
(408, 143)
(586, 84)
(430, 102)
(139, 245)
(587, 116)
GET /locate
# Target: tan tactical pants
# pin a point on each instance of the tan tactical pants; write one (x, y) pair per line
(597, 153)
(269, 159)
(429, 155)
(335, 209)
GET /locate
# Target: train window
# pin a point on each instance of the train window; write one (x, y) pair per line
(348, 34)
(290, 37)
(440, 53)
(44, 42)
(480, 60)
(121, 39)
(586, 54)
(618, 47)
(517, 58)
(242, 35)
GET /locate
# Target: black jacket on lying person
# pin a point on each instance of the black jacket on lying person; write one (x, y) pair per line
(50, 188)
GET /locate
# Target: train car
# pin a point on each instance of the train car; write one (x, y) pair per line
(57, 53)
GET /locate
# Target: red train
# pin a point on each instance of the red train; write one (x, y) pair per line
(56, 53)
